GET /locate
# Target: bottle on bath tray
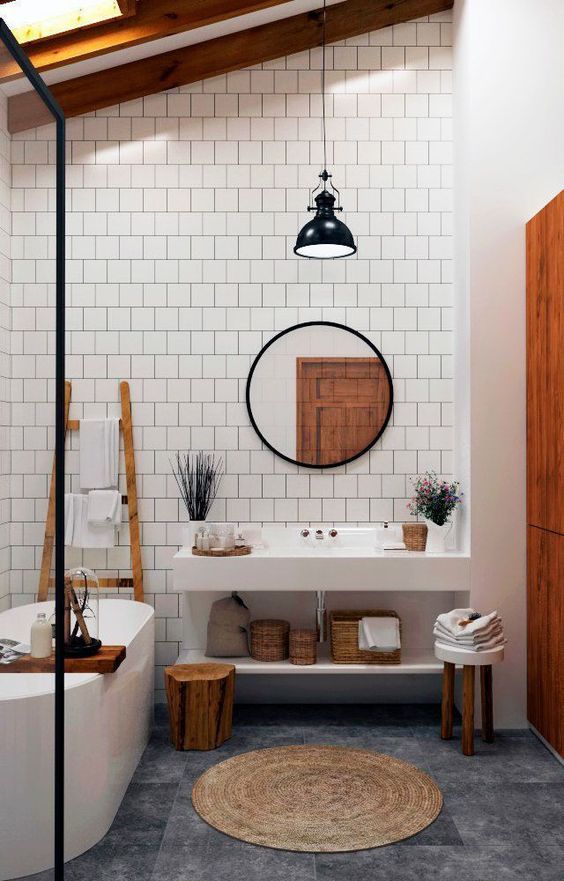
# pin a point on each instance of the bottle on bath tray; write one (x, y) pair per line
(41, 637)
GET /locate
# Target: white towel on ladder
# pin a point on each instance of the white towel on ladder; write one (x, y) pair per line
(79, 533)
(104, 506)
(69, 518)
(99, 453)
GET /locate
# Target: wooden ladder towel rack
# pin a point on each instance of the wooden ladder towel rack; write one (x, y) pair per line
(126, 427)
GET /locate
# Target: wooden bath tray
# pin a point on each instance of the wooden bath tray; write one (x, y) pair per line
(221, 552)
(108, 659)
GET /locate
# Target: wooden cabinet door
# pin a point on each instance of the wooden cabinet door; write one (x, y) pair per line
(545, 367)
(545, 635)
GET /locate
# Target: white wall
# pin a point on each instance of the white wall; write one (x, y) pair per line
(5, 367)
(183, 210)
(509, 161)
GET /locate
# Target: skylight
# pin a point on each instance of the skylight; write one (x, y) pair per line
(35, 19)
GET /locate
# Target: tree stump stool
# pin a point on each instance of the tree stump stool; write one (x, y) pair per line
(451, 657)
(200, 704)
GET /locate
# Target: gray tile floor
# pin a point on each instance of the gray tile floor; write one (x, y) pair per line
(503, 816)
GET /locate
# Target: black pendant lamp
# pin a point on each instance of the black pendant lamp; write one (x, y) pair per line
(325, 237)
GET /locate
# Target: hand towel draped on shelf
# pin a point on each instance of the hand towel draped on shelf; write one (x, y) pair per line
(379, 634)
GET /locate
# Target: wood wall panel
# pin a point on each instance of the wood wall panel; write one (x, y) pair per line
(545, 626)
(545, 367)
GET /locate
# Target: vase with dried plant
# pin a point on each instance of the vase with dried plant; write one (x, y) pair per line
(198, 477)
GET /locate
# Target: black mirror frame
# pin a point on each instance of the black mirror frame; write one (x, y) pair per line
(298, 327)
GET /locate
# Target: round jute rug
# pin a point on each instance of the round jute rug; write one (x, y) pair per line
(319, 799)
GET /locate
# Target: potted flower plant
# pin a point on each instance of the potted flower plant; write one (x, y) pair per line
(435, 500)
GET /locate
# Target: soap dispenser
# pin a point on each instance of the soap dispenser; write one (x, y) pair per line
(41, 637)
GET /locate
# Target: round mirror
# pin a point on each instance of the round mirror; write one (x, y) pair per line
(319, 394)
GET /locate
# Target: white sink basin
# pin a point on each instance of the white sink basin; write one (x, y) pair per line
(348, 541)
(349, 562)
(319, 552)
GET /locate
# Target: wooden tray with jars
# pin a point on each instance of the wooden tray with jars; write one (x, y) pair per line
(222, 552)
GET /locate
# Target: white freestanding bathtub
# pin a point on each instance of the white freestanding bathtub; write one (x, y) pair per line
(108, 720)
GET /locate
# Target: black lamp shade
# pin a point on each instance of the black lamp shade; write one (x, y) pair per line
(325, 237)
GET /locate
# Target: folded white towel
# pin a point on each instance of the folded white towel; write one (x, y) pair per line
(450, 622)
(99, 453)
(379, 634)
(481, 647)
(440, 634)
(79, 533)
(470, 639)
(451, 640)
(104, 506)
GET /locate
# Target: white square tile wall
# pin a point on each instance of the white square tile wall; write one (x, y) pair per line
(182, 213)
(5, 326)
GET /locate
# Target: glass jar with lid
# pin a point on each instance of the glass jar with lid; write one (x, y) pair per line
(82, 609)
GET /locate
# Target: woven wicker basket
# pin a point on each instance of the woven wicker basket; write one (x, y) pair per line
(303, 647)
(415, 536)
(344, 637)
(269, 639)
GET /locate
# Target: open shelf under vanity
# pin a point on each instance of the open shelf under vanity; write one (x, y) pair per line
(301, 582)
(417, 661)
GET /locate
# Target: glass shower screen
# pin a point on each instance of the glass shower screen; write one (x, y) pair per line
(32, 374)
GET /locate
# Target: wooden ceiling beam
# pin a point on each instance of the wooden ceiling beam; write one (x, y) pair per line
(127, 7)
(151, 20)
(215, 57)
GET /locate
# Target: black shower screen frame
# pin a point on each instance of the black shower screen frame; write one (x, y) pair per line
(27, 68)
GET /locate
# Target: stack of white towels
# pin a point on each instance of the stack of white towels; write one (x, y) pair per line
(467, 629)
(93, 515)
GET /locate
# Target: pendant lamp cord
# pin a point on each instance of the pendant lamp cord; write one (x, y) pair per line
(323, 85)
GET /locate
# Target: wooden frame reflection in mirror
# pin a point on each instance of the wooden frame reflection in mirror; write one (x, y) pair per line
(342, 404)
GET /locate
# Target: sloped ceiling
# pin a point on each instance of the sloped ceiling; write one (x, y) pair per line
(198, 39)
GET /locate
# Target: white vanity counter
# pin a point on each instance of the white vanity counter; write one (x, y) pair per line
(349, 562)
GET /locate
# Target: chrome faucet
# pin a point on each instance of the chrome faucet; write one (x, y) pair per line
(319, 534)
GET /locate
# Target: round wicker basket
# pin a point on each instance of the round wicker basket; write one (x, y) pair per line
(303, 647)
(415, 536)
(269, 639)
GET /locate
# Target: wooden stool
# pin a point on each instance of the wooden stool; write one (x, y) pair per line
(451, 656)
(200, 704)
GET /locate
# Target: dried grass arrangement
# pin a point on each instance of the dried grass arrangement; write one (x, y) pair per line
(198, 476)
